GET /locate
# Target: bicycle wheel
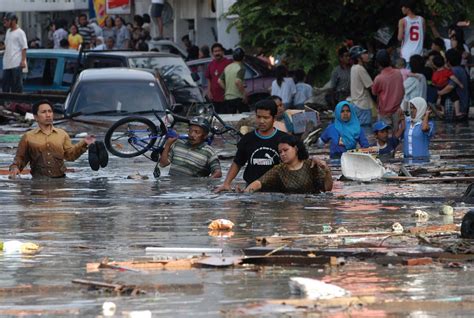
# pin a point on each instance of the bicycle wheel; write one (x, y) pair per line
(131, 136)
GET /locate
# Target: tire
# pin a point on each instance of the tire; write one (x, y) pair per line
(131, 136)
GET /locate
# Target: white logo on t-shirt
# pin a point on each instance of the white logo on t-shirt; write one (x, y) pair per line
(263, 156)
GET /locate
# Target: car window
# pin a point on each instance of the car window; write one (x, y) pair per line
(249, 73)
(40, 71)
(260, 66)
(70, 67)
(200, 69)
(120, 96)
(173, 70)
(100, 62)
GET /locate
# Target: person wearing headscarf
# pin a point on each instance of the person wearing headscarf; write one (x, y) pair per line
(345, 133)
(418, 130)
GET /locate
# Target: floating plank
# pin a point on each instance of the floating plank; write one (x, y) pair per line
(294, 260)
(335, 302)
(281, 239)
(435, 229)
(349, 251)
(418, 261)
(180, 264)
(117, 288)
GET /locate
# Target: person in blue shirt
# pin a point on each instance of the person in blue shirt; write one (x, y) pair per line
(345, 133)
(386, 145)
(418, 130)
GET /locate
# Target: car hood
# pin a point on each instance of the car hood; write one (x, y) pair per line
(94, 124)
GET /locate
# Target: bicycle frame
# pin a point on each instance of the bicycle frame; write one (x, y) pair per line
(154, 139)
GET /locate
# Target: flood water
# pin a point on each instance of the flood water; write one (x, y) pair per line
(92, 215)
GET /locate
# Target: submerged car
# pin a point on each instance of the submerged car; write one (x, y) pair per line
(259, 76)
(48, 70)
(100, 97)
(172, 69)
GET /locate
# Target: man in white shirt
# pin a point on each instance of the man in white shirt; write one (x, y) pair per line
(14, 58)
(156, 12)
(411, 31)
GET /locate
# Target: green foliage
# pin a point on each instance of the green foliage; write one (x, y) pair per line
(307, 32)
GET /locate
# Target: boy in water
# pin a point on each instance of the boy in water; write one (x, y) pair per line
(386, 145)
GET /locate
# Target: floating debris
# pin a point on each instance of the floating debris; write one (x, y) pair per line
(315, 289)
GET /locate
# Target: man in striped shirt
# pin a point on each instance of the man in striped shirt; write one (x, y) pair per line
(86, 31)
(192, 157)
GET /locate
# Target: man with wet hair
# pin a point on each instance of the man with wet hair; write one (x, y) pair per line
(46, 147)
(258, 149)
(192, 157)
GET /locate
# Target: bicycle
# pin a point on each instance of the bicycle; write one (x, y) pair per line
(133, 136)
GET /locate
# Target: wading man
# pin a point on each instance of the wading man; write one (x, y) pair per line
(192, 157)
(46, 147)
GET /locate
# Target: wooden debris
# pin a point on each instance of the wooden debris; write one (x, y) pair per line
(418, 261)
(287, 260)
(434, 229)
(264, 240)
(181, 264)
(119, 289)
(335, 302)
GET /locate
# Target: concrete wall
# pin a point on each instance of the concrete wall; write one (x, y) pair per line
(42, 5)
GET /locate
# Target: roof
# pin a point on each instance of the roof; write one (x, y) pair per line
(119, 73)
(131, 53)
(53, 52)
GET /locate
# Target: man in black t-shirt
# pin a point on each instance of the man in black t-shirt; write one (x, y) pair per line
(257, 149)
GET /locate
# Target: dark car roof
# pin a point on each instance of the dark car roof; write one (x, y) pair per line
(119, 73)
(132, 53)
(53, 52)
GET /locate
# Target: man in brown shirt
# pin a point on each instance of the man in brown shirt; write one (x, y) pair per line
(46, 147)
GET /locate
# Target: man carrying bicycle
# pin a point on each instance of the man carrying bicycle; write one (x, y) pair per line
(192, 157)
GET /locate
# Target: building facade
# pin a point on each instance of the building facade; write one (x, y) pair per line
(203, 20)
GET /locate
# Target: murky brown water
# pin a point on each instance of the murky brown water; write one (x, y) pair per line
(92, 215)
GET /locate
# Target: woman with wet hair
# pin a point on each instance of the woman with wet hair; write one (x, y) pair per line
(345, 133)
(296, 173)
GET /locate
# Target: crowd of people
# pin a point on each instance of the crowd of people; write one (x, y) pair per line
(406, 86)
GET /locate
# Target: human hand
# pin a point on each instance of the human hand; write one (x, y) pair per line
(318, 162)
(223, 188)
(428, 113)
(90, 139)
(171, 133)
(14, 171)
(23, 64)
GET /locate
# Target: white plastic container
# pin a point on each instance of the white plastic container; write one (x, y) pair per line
(360, 166)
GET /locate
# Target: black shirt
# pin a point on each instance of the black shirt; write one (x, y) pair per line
(260, 153)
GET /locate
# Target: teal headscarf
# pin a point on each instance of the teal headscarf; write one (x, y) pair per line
(348, 130)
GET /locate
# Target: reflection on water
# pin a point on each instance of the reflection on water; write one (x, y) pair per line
(92, 215)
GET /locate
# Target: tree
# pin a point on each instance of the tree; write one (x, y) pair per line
(307, 32)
